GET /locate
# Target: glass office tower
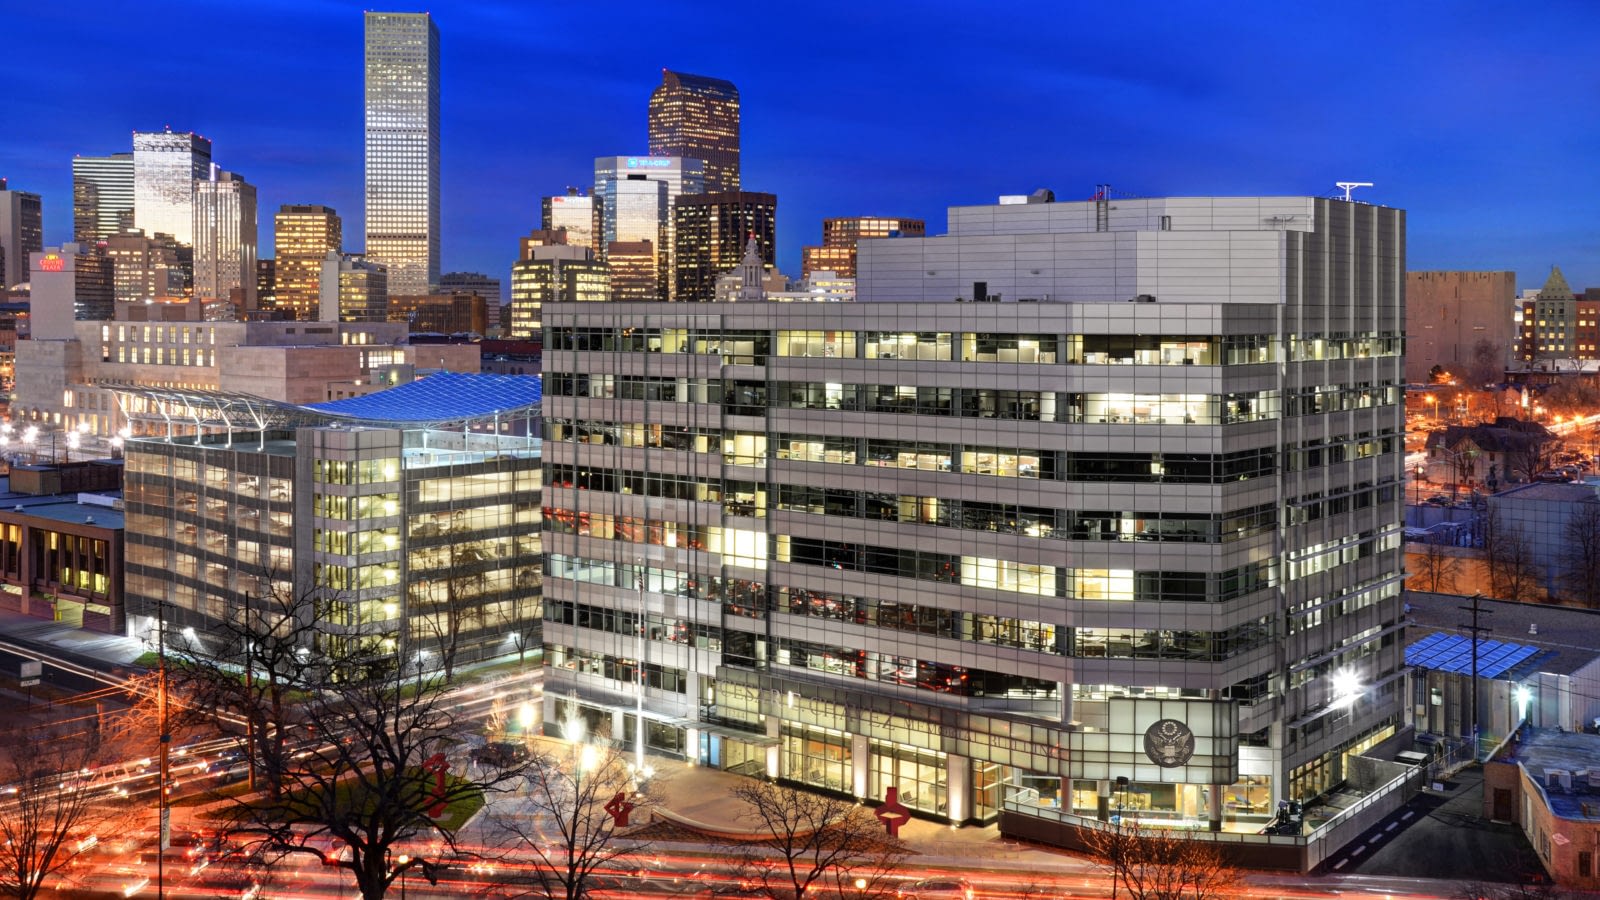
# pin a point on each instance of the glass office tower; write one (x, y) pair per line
(166, 165)
(402, 110)
(102, 196)
(636, 195)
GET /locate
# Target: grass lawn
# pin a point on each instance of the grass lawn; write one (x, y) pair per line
(455, 815)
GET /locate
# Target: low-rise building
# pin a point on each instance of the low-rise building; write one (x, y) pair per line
(61, 540)
(1547, 781)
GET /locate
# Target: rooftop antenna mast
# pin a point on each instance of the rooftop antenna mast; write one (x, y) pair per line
(1348, 186)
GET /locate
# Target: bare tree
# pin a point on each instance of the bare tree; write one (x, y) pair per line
(1508, 557)
(1580, 554)
(1526, 890)
(253, 667)
(1488, 366)
(566, 826)
(373, 779)
(1532, 455)
(1161, 864)
(46, 818)
(1436, 567)
(813, 844)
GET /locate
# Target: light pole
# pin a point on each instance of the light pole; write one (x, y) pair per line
(1433, 401)
(1418, 482)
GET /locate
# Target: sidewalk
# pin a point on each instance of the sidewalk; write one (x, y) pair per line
(60, 637)
(705, 796)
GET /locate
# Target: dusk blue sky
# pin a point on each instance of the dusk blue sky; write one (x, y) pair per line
(1479, 119)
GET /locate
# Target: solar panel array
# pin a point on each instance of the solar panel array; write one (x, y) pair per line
(447, 396)
(1453, 653)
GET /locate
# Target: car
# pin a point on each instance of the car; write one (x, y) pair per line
(1438, 500)
(501, 754)
(937, 889)
(1553, 477)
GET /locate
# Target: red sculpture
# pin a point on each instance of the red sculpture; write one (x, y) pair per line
(437, 766)
(892, 813)
(619, 807)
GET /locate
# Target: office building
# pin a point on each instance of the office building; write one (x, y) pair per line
(303, 236)
(1551, 323)
(452, 314)
(574, 213)
(840, 236)
(21, 233)
(1072, 496)
(407, 525)
(402, 127)
(696, 117)
(144, 267)
(471, 283)
(1461, 322)
(352, 289)
(71, 283)
(225, 239)
(636, 195)
(102, 196)
(549, 270)
(266, 284)
(166, 166)
(712, 231)
(631, 266)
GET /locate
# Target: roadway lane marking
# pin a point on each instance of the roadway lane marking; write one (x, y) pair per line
(1341, 863)
(1392, 826)
(1408, 815)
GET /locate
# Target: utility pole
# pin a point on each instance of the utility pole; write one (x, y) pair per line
(1475, 629)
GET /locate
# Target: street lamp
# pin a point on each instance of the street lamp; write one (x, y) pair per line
(1418, 482)
(1433, 401)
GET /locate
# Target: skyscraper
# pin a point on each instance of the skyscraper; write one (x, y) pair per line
(636, 194)
(145, 268)
(402, 122)
(225, 238)
(102, 196)
(573, 212)
(166, 166)
(303, 236)
(697, 117)
(712, 231)
(839, 236)
(1144, 527)
(550, 271)
(21, 234)
(353, 289)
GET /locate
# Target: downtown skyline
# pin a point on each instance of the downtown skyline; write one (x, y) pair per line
(1452, 111)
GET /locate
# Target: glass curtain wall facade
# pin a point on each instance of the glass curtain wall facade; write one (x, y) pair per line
(418, 542)
(636, 195)
(402, 155)
(166, 166)
(102, 196)
(984, 551)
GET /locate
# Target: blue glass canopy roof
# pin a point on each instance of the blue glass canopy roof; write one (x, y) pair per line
(447, 396)
(1453, 653)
